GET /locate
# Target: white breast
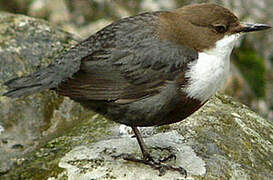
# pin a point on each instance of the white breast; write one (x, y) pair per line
(209, 72)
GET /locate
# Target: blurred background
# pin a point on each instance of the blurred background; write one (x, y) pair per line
(251, 80)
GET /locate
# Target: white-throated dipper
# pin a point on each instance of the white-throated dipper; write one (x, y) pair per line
(151, 69)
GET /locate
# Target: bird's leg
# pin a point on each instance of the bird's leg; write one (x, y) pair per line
(146, 155)
(148, 160)
(142, 145)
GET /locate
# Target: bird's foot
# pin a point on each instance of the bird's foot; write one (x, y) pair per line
(156, 164)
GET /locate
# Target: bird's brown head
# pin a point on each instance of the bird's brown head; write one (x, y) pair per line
(200, 26)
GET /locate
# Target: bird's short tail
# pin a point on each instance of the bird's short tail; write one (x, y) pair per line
(16, 89)
(50, 77)
(44, 79)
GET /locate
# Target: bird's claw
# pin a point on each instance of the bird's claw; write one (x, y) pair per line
(155, 164)
(171, 156)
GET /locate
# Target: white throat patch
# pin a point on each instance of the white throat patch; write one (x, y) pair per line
(209, 72)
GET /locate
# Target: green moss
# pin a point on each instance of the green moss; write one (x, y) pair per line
(163, 128)
(15, 6)
(252, 68)
(43, 162)
(51, 103)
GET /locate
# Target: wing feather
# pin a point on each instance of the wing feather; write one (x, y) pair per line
(137, 73)
(129, 62)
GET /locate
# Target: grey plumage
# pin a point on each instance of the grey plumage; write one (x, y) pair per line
(124, 50)
(68, 64)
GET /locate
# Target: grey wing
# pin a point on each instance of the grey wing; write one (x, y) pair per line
(126, 75)
(74, 63)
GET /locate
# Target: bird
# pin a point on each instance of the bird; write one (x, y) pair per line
(151, 69)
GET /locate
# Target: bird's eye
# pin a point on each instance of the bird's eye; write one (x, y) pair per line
(220, 28)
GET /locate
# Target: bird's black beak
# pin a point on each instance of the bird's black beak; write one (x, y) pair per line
(247, 27)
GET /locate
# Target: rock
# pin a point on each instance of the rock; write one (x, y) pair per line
(158, 5)
(27, 44)
(223, 140)
(99, 160)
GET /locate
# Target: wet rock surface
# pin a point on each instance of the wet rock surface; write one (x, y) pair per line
(44, 136)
